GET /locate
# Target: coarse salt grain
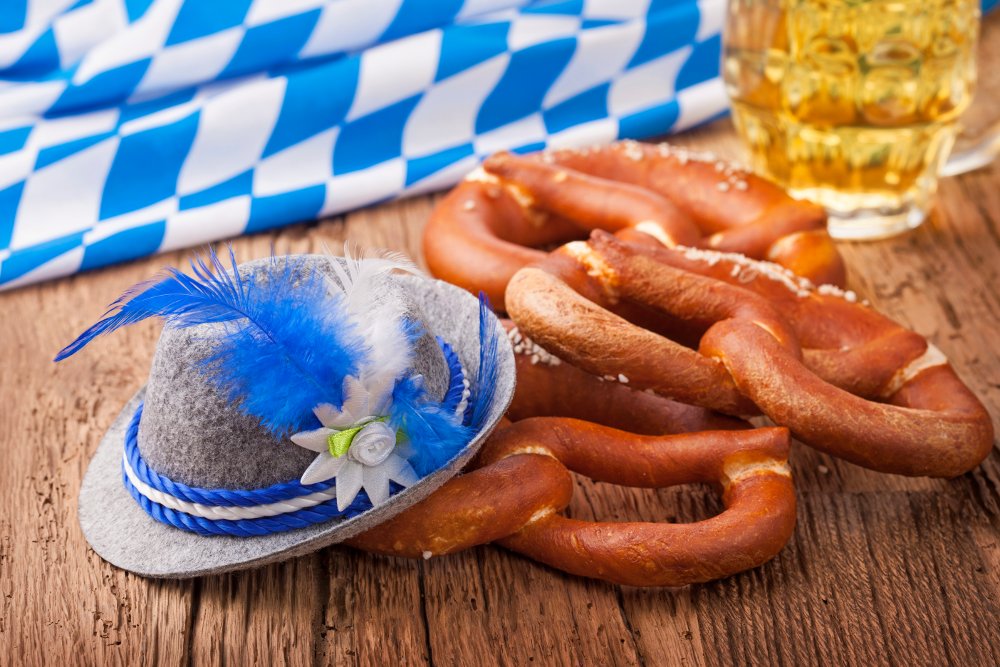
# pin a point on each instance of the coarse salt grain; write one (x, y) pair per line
(799, 286)
(535, 352)
(633, 150)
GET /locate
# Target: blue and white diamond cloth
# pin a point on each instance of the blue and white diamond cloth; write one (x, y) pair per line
(129, 127)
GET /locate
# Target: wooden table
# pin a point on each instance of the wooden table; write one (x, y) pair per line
(881, 570)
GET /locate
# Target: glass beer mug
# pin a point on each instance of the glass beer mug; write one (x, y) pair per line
(853, 104)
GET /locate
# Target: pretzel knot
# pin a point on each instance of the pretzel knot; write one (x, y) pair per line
(843, 378)
(496, 221)
(516, 496)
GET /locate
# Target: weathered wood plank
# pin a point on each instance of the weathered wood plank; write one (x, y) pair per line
(373, 611)
(855, 587)
(266, 615)
(60, 601)
(882, 569)
(522, 611)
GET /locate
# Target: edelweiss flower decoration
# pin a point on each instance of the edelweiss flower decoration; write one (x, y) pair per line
(356, 446)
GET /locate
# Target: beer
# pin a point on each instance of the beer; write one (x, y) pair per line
(852, 103)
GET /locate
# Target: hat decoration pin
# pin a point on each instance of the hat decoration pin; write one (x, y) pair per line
(294, 402)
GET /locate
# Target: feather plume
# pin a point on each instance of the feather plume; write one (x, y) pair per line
(456, 389)
(287, 346)
(485, 387)
(292, 354)
(359, 270)
(435, 435)
(183, 300)
(382, 322)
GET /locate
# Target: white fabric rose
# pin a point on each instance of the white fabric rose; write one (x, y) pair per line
(373, 444)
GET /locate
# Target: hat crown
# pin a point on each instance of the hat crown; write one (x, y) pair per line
(191, 434)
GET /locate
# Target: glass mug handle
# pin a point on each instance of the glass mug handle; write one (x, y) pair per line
(976, 153)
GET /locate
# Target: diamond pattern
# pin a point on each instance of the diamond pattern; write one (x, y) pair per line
(131, 127)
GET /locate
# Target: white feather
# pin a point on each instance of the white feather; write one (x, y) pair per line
(380, 320)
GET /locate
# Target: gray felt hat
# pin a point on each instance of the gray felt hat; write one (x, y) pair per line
(191, 440)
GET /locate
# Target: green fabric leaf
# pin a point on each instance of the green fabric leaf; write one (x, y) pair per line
(338, 443)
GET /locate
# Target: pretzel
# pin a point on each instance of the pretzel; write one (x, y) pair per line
(499, 219)
(548, 387)
(923, 419)
(515, 498)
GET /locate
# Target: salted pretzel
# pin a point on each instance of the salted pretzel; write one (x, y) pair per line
(503, 216)
(520, 482)
(547, 387)
(845, 379)
(516, 496)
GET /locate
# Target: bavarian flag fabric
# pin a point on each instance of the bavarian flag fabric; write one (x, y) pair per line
(128, 127)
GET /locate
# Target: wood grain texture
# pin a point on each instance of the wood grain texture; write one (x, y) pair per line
(881, 570)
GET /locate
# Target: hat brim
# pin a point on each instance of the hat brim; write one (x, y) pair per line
(123, 534)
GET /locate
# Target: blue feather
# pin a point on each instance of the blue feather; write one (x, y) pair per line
(287, 345)
(183, 300)
(453, 396)
(291, 354)
(436, 434)
(484, 388)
